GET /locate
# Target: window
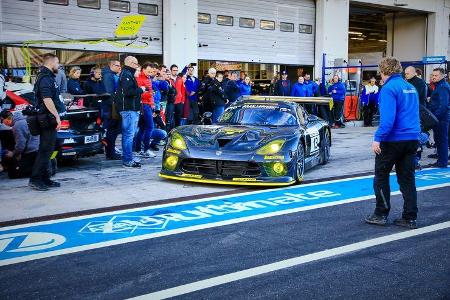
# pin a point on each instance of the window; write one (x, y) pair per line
(57, 2)
(246, 22)
(89, 3)
(27, 0)
(267, 25)
(304, 28)
(286, 27)
(122, 6)
(204, 18)
(225, 20)
(148, 9)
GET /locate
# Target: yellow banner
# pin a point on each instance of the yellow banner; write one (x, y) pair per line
(130, 25)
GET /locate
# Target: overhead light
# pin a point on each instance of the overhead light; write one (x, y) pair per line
(355, 32)
(357, 38)
(383, 41)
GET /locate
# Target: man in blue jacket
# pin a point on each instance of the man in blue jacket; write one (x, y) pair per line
(300, 88)
(439, 104)
(283, 86)
(192, 85)
(110, 76)
(232, 89)
(395, 143)
(337, 91)
(312, 85)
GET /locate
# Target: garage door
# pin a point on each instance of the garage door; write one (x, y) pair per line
(279, 31)
(80, 19)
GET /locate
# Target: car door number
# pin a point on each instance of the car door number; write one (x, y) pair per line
(315, 139)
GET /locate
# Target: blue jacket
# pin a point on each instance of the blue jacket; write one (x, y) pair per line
(232, 90)
(245, 89)
(110, 80)
(313, 88)
(399, 111)
(74, 87)
(339, 96)
(369, 98)
(94, 87)
(439, 102)
(300, 90)
(192, 84)
(283, 88)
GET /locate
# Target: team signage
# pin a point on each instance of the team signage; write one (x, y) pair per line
(45, 239)
(434, 59)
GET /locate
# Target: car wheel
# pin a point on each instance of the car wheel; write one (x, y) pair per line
(325, 151)
(300, 163)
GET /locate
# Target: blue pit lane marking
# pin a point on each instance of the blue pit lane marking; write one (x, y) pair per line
(51, 238)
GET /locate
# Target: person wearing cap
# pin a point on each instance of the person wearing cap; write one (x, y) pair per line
(283, 86)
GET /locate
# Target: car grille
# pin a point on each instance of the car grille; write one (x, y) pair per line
(222, 168)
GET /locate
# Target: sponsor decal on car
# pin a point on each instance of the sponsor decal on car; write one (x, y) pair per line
(173, 151)
(244, 179)
(191, 175)
(270, 157)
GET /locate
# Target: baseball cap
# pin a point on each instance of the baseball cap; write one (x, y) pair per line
(284, 73)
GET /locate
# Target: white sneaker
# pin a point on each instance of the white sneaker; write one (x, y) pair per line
(118, 151)
(149, 154)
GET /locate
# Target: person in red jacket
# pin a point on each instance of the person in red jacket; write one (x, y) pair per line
(180, 98)
(146, 127)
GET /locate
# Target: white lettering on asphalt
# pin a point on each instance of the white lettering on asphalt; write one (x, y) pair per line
(160, 221)
(288, 263)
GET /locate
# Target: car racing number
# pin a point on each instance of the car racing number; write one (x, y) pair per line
(315, 139)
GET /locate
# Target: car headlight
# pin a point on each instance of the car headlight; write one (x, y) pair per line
(170, 163)
(271, 148)
(177, 141)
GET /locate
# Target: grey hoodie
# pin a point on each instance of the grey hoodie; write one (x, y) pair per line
(25, 142)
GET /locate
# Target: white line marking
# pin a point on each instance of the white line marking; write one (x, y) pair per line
(292, 262)
(184, 202)
(193, 228)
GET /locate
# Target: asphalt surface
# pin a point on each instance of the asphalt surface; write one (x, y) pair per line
(416, 267)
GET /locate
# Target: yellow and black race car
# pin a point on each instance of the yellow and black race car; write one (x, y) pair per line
(268, 141)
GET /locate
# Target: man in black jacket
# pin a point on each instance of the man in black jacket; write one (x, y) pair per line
(418, 83)
(217, 97)
(48, 101)
(129, 105)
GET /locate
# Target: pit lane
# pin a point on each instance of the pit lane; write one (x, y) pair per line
(148, 266)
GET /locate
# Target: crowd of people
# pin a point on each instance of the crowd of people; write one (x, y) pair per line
(144, 102)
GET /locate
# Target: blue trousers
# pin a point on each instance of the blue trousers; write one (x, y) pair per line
(129, 127)
(441, 140)
(145, 129)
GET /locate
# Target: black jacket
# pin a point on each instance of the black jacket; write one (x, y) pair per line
(129, 93)
(217, 93)
(421, 87)
(46, 87)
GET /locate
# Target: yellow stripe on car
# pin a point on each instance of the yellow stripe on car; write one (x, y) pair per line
(225, 182)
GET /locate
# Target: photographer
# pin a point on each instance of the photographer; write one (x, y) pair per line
(48, 99)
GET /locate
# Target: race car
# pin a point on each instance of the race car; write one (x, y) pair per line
(259, 140)
(79, 135)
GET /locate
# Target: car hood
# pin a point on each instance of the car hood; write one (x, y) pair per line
(234, 138)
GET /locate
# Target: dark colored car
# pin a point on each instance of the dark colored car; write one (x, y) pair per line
(257, 142)
(80, 134)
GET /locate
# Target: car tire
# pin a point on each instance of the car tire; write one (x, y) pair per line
(325, 148)
(300, 163)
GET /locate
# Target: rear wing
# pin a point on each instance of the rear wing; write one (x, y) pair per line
(300, 100)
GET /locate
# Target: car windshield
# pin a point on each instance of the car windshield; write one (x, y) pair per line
(259, 115)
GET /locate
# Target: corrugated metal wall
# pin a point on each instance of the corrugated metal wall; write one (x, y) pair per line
(39, 21)
(233, 43)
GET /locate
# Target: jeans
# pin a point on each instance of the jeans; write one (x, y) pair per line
(440, 132)
(217, 113)
(145, 130)
(129, 127)
(338, 110)
(47, 141)
(157, 136)
(402, 155)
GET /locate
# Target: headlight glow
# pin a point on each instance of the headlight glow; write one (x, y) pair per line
(177, 141)
(170, 163)
(271, 148)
